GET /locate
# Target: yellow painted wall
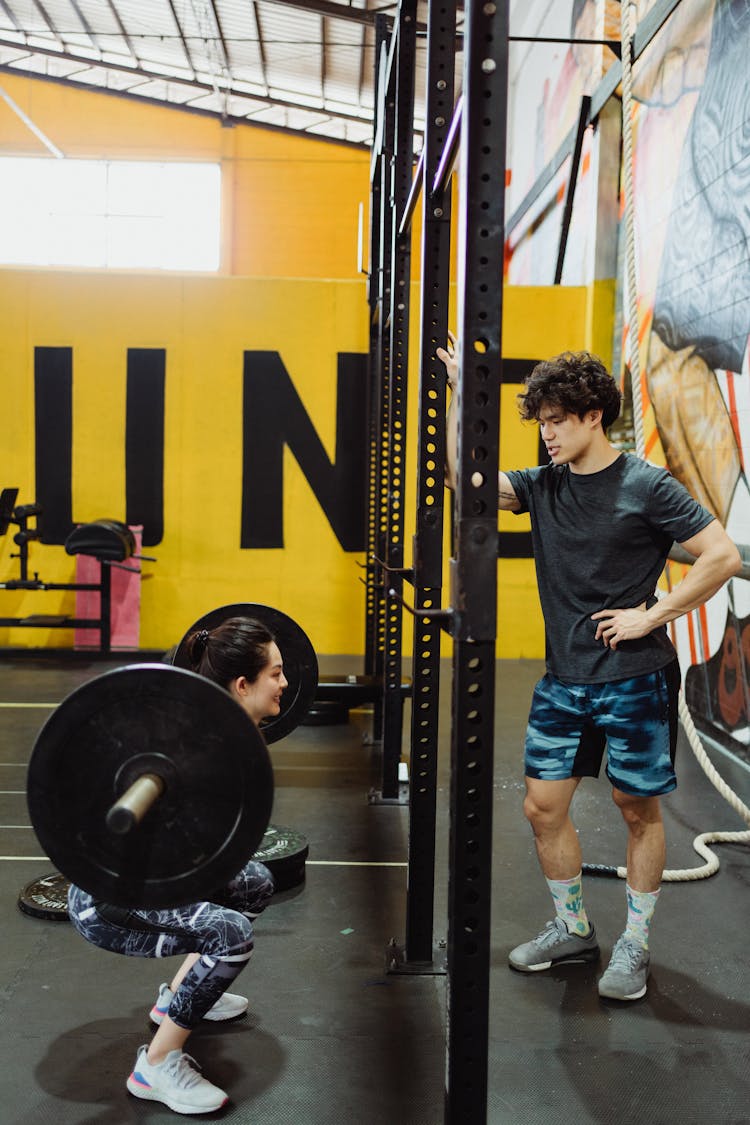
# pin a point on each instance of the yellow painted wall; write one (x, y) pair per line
(537, 322)
(204, 324)
(288, 284)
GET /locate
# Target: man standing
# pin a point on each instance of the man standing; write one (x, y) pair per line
(602, 524)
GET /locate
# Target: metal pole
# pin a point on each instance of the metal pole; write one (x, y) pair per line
(383, 172)
(375, 380)
(403, 160)
(428, 540)
(474, 570)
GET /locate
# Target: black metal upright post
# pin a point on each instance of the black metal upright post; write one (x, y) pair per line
(376, 293)
(474, 569)
(382, 174)
(405, 34)
(428, 539)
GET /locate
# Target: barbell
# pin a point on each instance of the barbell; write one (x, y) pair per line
(149, 786)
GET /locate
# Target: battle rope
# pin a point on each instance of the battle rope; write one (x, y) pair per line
(631, 313)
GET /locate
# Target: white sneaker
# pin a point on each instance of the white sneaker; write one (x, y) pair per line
(227, 1007)
(176, 1082)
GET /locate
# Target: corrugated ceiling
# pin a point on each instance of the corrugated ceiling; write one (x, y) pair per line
(302, 65)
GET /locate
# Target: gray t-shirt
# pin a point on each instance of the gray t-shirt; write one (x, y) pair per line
(600, 542)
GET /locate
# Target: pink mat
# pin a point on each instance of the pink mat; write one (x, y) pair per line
(126, 600)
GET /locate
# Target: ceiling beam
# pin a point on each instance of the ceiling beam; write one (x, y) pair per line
(222, 40)
(328, 8)
(323, 56)
(261, 45)
(340, 11)
(51, 27)
(183, 40)
(362, 63)
(156, 76)
(126, 38)
(234, 119)
(86, 25)
(10, 16)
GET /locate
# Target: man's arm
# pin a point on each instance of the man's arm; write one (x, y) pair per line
(716, 560)
(506, 498)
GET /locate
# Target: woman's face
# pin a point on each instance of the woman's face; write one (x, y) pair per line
(261, 699)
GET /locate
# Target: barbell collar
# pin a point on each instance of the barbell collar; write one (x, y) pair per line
(135, 802)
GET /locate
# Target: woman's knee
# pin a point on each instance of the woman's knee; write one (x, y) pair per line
(264, 888)
(230, 936)
(252, 889)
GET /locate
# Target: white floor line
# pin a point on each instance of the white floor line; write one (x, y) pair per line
(350, 863)
(25, 858)
(309, 862)
(48, 706)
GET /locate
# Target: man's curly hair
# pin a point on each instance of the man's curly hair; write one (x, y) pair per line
(576, 382)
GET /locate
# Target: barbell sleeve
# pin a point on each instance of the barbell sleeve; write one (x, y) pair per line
(135, 802)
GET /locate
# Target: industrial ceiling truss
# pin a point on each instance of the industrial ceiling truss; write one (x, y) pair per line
(305, 66)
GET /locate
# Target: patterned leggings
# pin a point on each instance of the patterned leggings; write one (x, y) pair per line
(220, 930)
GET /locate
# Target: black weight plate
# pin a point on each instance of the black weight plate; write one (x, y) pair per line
(297, 652)
(284, 852)
(199, 833)
(46, 898)
(281, 846)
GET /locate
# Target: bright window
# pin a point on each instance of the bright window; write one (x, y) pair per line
(109, 214)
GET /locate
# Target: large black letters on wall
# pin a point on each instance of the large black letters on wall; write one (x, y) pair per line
(53, 435)
(144, 442)
(273, 416)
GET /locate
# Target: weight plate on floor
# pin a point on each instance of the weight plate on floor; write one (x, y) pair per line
(297, 653)
(284, 852)
(150, 718)
(46, 897)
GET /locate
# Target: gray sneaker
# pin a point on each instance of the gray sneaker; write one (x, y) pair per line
(625, 976)
(176, 1082)
(553, 946)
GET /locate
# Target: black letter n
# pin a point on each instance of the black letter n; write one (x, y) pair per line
(273, 416)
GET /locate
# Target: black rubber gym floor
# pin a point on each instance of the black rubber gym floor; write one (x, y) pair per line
(331, 1037)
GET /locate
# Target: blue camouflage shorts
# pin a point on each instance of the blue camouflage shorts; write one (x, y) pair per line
(570, 725)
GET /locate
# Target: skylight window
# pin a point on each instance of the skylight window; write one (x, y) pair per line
(110, 214)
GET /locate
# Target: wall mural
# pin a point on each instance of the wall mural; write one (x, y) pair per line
(692, 174)
(532, 248)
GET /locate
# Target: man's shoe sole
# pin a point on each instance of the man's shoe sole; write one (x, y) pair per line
(585, 956)
(619, 996)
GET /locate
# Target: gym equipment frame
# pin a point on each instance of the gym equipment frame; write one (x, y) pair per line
(20, 515)
(471, 617)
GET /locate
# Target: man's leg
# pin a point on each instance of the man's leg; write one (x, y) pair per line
(569, 937)
(646, 844)
(626, 976)
(547, 809)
